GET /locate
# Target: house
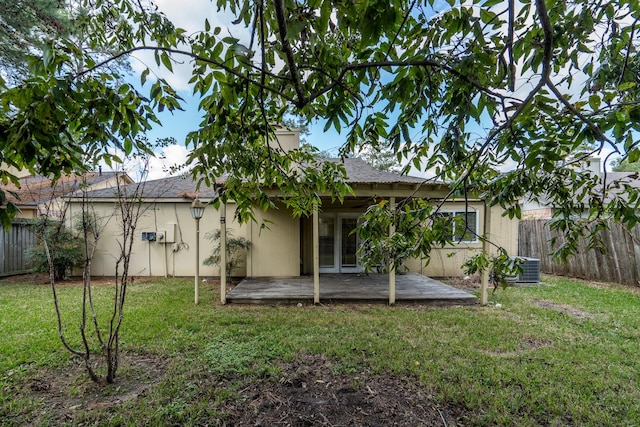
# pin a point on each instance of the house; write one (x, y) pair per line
(39, 196)
(289, 246)
(608, 186)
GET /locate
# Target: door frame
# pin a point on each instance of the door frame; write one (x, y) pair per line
(337, 247)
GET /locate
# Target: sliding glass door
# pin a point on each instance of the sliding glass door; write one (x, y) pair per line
(338, 243)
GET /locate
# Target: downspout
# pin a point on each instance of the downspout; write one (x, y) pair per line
(249, 271)
(166, 267)
(149, 256)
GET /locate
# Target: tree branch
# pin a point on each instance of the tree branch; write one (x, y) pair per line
(288, 52)
(412, 63)
(186, 53)
(629, 47)
(599, 134)
(512, 65)
(404, 21)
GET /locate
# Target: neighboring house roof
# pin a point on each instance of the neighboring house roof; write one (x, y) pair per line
(614, 182)
(184, 186)
(612, 185)
(36, 190)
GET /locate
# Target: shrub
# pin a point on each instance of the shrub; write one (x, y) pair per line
(234, 247)
(65, 248)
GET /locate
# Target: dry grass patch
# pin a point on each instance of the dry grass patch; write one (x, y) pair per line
(564, 309)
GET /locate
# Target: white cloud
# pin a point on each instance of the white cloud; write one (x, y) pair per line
(189, 15)
(159, 166)
(171, 156)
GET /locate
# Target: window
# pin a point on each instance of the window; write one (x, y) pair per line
(464, 225)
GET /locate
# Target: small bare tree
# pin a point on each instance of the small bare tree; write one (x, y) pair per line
(90, 226)
(128, 211)
(49, 236)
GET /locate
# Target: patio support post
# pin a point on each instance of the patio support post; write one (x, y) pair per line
(316, 255)
(486, 233)
(392, 269)
(223, 253)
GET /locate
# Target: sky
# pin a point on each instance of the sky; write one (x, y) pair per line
(190, 15)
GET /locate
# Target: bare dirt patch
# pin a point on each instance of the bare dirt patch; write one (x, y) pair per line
(565, 309)
(311, 392)
(66, 391)
(466, 283)
(527, 344)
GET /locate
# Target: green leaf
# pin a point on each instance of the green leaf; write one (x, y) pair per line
(626, 86)
(128, 146)
(325, 15)
(123, 90)
(166, 61)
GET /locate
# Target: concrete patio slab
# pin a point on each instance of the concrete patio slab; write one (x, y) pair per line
(410, 288)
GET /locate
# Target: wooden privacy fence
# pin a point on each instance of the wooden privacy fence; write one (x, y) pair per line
(13, 245)
(621, 263)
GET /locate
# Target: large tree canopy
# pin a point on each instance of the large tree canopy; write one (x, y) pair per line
(457, 89)
(25, 27)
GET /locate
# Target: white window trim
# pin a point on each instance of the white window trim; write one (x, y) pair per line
(455, 212)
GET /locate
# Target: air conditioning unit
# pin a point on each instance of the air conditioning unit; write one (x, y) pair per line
(530, 270)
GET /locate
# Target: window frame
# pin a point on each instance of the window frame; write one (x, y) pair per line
(452, 213)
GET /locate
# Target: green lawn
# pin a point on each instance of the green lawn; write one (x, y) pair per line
(562, 354)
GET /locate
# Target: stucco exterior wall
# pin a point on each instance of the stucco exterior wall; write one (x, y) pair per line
(447, 261)
(172, 256)
(276, 247)
(443, 262)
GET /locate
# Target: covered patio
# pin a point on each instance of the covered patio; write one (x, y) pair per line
(369, 288)
(286, 262)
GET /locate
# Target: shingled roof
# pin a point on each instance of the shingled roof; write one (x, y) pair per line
(174, 187)
(35, 190)
(184, 186)
(360, 172)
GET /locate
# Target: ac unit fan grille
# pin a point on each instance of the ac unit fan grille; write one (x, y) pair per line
(530, 270)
